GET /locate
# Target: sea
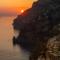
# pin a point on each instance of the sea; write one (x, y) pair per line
(7, 50)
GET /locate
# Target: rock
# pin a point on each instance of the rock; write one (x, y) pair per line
(37, 25)
(54, 48)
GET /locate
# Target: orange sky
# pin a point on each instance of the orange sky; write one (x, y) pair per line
(14, 6)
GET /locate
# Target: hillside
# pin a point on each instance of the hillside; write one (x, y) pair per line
(38, 25)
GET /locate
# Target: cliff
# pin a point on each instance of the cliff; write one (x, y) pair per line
(29, 15)
(38, 24)
(29, 23)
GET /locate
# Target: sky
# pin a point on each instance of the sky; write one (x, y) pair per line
(13, 7)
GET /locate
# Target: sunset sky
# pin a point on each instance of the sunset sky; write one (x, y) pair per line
(13, 7)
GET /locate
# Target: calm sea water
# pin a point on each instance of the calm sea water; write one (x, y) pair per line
(7, 51)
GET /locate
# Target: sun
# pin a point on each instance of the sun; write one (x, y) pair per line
(22, 11)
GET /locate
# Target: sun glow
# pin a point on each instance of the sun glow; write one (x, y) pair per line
(22, 11)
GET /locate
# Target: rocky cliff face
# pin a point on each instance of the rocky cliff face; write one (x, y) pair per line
(30, 14)
(32, 23)
(38, 24)
(43, 16)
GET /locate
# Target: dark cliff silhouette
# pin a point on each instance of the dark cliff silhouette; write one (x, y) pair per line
(37, 25)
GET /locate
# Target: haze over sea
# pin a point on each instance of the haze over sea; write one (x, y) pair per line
(7, 51)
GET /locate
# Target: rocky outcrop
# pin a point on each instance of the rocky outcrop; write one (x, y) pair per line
(54, 48)
(37, 25)
(32, 20)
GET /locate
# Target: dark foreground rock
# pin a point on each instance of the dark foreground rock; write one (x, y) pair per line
(37, 25)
